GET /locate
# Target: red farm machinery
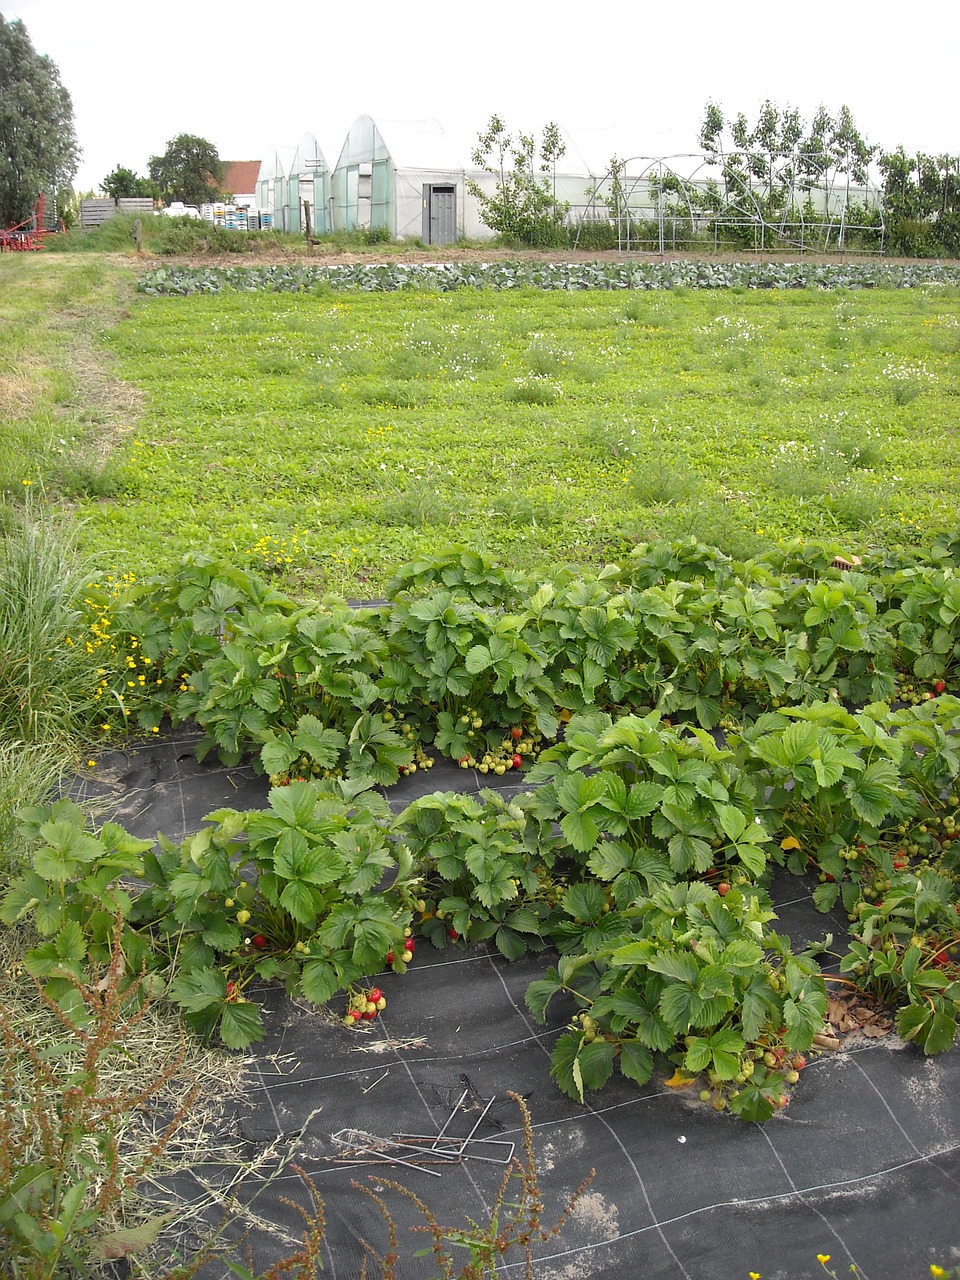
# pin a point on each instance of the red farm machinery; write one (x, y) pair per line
(29, 234)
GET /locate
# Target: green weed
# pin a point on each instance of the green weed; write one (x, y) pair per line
(659, 481)
(535, 388)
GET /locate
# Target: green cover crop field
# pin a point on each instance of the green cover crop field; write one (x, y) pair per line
(336, 435)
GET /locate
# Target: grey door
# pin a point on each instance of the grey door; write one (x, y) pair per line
(440, 214)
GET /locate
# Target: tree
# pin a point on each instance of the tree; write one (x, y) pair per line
(38, 145)
(524, 206)
(765, 164)
(123, 183)
(189, 170)
(921, 203)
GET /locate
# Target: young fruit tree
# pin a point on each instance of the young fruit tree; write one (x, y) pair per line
(523, 207)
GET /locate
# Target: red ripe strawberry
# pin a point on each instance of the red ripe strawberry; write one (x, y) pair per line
(374, 994)
(259, 941)
(408, 944)
(941, 959)
(516, 733)
(723, 888)
(452, 933)
(939, 685)
(389, 957)
(517, 761)
(367, 1017)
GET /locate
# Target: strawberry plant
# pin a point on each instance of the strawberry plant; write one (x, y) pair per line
(177, 623)
(837, 641)
(833, 777)
(481, 875)
(930, 762)
(654, 786)
(465, 664)
(894, 958)
(693, 978)
(284, 893)
(923, 619)
(464, 571)
(74, 890)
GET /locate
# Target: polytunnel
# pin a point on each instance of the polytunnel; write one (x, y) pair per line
(306, 183)
(270, 187)
(413, 188)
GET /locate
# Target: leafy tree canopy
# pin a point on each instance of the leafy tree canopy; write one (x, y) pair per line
(524, 206)
(779, 152)
(123, 183)
(38, 145)
(189, 170)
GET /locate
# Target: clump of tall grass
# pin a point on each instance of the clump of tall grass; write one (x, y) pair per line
(48, 671)
(657, 481)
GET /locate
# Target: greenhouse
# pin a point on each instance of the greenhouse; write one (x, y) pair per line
(411, 188)
(270, 181)
(304, 191)
(416, 181)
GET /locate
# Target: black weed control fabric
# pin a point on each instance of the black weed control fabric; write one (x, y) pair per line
(863, 1166)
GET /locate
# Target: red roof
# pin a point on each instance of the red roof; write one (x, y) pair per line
(240, 177)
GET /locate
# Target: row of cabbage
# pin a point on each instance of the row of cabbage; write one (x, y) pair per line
(447, 276)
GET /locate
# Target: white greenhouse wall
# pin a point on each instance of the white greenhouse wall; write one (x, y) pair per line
(411, 180)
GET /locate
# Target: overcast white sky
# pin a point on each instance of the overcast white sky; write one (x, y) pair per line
(252, 77)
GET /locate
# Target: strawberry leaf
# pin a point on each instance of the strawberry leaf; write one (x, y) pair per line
(540, 993)
(636, 1061)
(240, 1025)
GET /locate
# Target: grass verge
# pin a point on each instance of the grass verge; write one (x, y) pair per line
(330, 438)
